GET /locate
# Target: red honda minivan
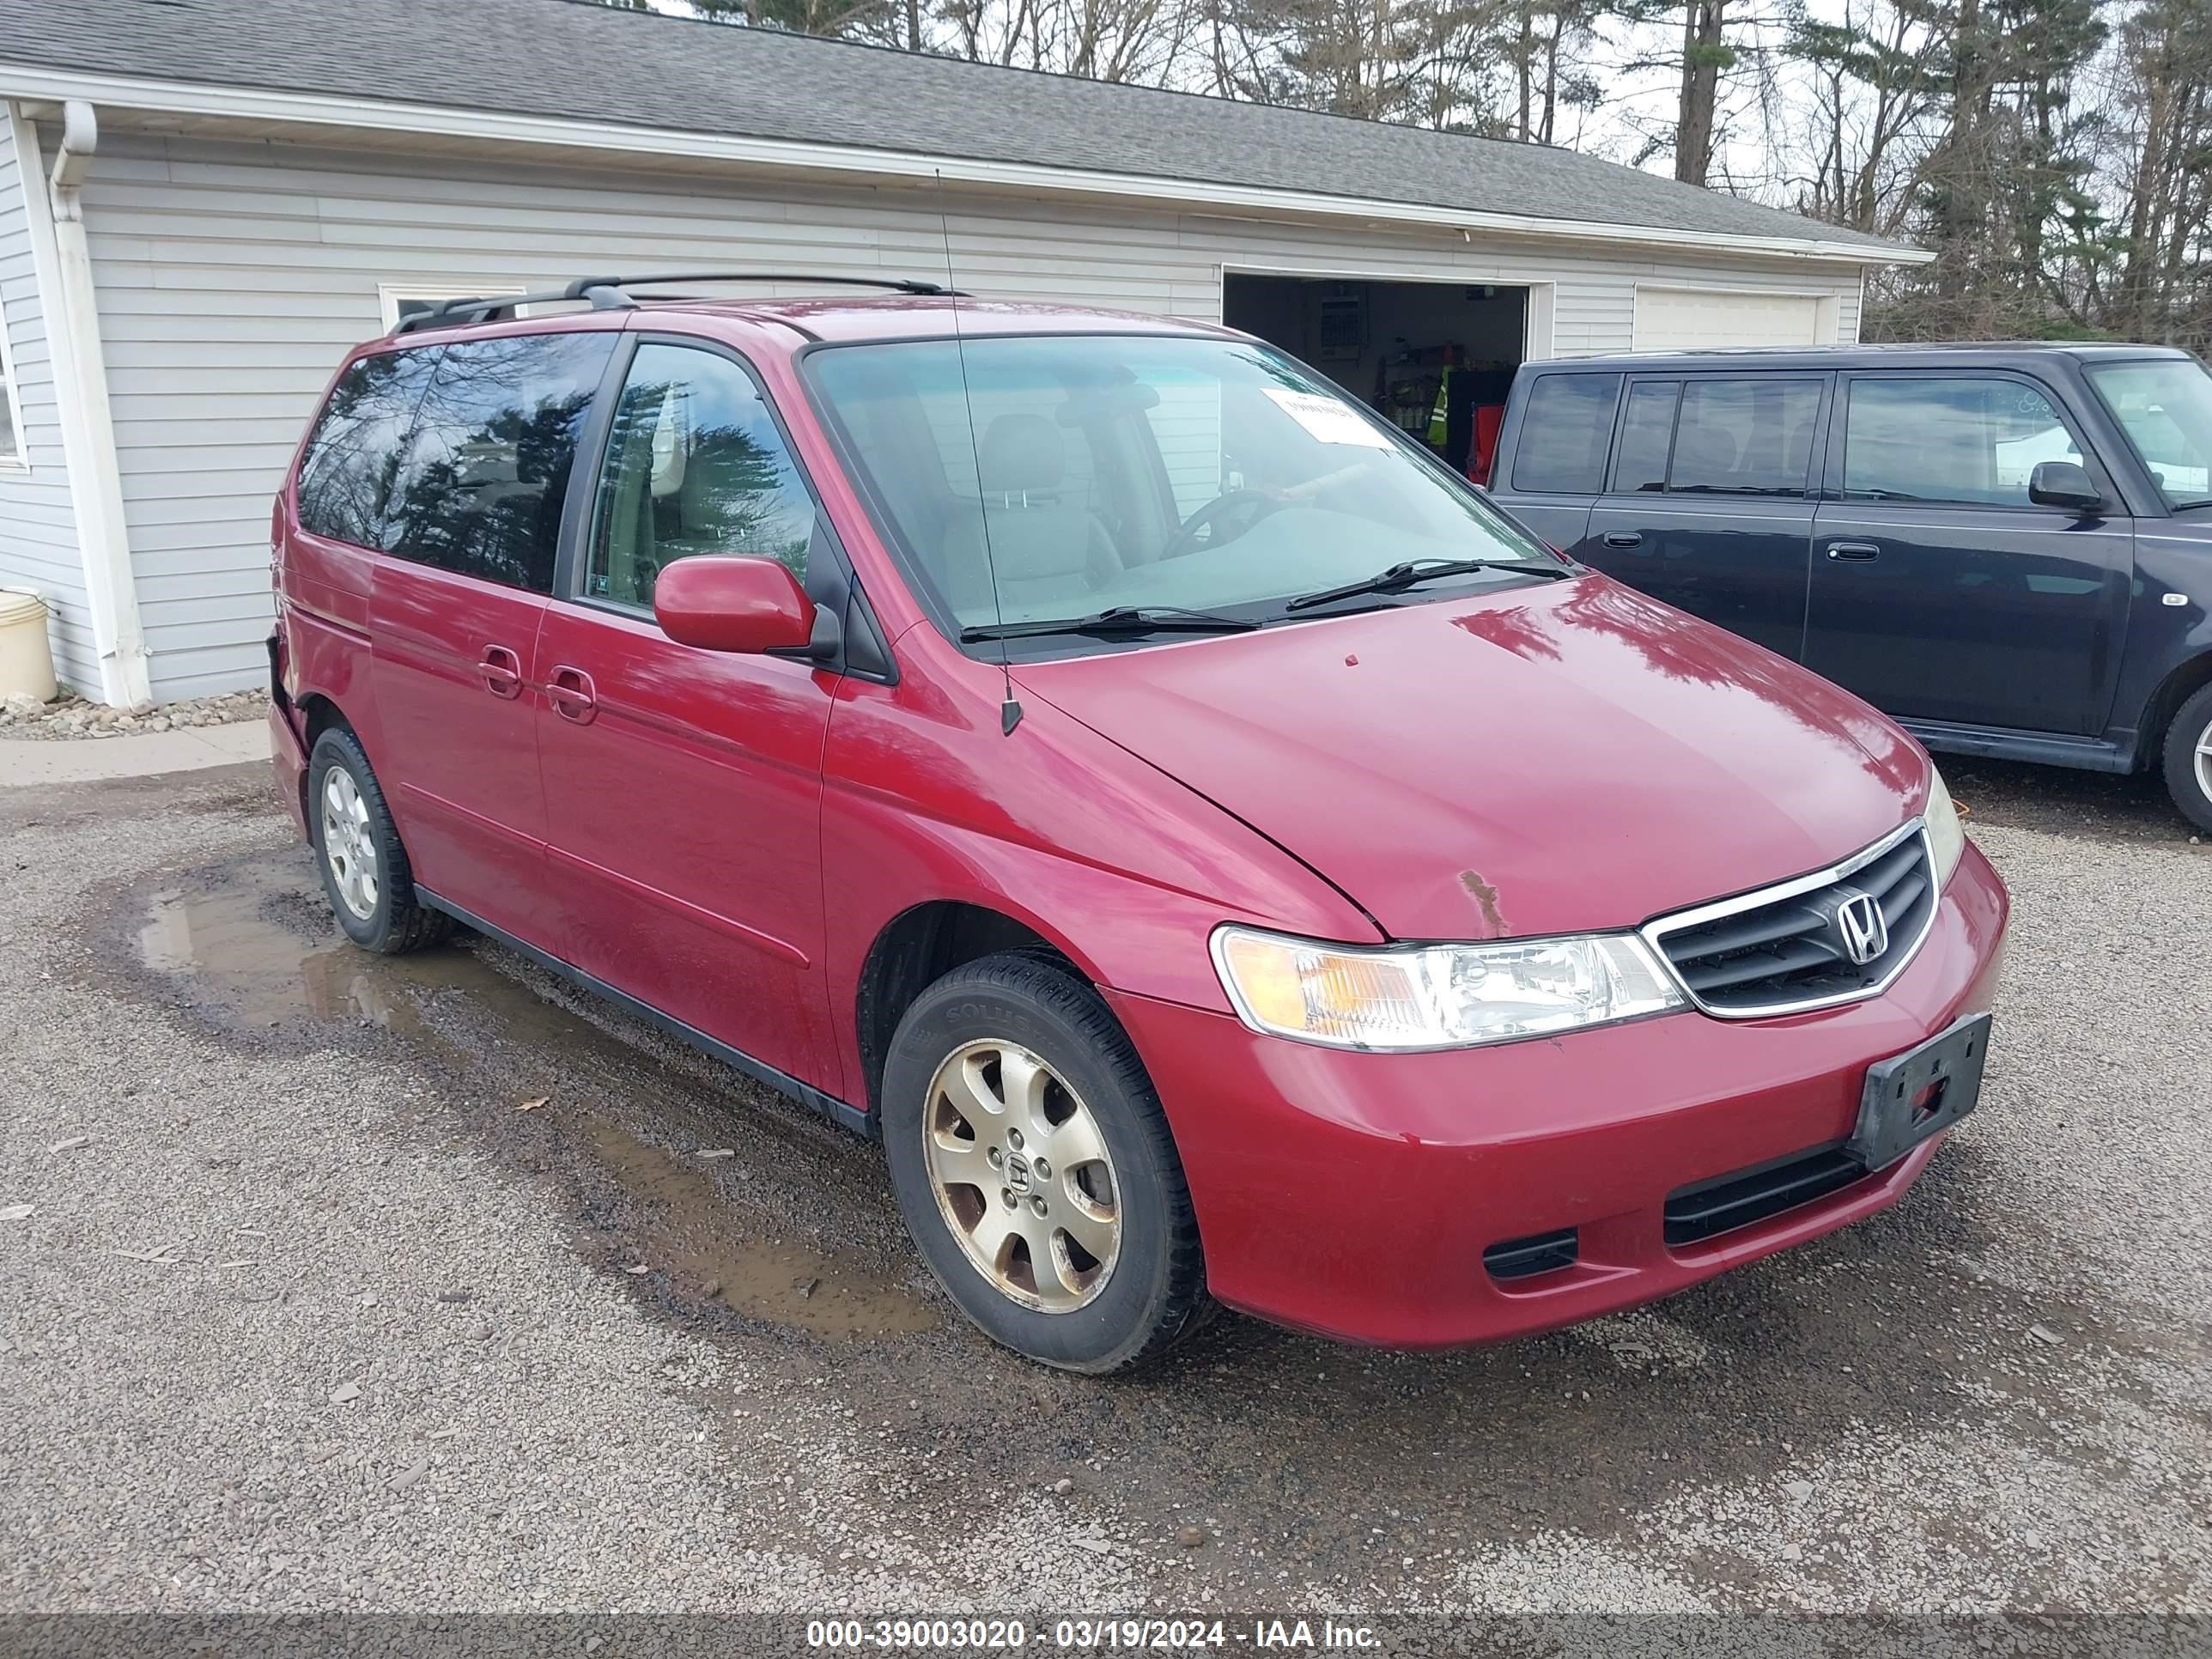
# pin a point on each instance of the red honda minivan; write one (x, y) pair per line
(1223, 858)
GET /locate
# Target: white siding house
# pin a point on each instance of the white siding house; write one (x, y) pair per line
(241, 234)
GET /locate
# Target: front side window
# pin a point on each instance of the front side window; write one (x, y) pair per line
(1565, 433)
(355, 447)
(695, 465)
(1747, 437)
(1972, 438)
(480, 487)
(1046, 477)
(2166, 409)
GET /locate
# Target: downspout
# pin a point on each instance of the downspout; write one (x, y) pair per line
(79, 368)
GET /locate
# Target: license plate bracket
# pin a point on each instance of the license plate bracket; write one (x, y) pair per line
(1921, 1092)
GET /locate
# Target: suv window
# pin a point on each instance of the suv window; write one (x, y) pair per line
(1957, 438)
(1747, 437)
(479, 488)
(1565, 433)
(354, 447)
(1647, 436)
(695, 465)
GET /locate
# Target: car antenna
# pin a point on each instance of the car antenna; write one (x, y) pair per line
(1009, 708)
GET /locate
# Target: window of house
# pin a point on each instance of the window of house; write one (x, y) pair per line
(1953, 438)
(479, 488)
(12, 453)
(695, 465)
(1565, 433)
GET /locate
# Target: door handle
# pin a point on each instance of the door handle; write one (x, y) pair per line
(501, 670)
(1853, 550)
(573, 695)
(1623, 539)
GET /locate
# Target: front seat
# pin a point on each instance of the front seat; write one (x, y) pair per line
(1046, 552)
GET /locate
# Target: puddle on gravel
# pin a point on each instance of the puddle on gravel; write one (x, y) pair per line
(228, 946)
(692, 1234)
(234, 949)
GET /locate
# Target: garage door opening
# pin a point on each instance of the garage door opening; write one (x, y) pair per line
(1396, 345)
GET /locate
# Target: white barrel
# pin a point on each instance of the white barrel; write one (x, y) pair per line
(26, 660)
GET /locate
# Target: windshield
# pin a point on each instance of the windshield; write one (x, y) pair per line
(2166, 409)
(1055, 476)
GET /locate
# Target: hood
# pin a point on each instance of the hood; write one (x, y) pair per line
(1563, 758)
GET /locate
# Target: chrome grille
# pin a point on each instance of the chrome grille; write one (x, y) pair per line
(1786, 948)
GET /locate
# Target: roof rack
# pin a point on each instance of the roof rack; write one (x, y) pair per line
(611, 293)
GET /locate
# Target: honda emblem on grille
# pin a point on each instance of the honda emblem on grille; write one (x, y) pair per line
(1860, 929)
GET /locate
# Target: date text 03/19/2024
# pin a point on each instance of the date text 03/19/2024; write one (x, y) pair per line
(1088, 1634)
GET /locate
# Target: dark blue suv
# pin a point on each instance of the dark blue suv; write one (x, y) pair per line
(2008, 547)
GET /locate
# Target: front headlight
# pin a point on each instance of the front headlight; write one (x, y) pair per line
(1946, 841)
(1437, 996)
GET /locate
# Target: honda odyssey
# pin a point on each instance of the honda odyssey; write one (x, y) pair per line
(1220, 857)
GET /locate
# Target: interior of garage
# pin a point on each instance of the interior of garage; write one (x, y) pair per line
(1396, 345)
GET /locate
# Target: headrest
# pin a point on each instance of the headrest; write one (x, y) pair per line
(1020, 454)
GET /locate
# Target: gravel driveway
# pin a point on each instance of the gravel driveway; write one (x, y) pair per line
(349, 1284)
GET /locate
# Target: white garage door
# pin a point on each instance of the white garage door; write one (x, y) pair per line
(1685, 318)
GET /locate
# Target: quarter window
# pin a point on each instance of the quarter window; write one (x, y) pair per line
(1959, 438)
(355, 449)
(480, 487)
(695, 465)
(1565, 433)
(1747, 437)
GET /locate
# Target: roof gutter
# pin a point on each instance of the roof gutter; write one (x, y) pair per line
(26, 81)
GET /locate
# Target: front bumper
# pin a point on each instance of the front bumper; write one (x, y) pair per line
(1354, 1195)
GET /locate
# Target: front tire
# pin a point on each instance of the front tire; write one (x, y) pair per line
(366, 874)
(1033, 1168)
(2189, 759)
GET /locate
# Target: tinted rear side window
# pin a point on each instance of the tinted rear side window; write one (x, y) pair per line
(480, 488)
(355, 447)
(1565, 433)
(1751, 437)
(1647, 434)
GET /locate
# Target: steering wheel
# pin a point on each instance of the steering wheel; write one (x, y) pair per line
(1240, 508)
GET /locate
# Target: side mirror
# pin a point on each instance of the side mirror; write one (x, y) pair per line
(746, 605)
(2063, 484)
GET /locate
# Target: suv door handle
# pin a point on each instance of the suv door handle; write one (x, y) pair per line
(1853, 550)
(502, 672)
(573, 695)
(1623, 539)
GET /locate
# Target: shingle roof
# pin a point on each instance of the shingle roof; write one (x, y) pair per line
(577, 60)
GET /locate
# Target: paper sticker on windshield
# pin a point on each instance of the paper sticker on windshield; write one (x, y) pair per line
(1326, 419)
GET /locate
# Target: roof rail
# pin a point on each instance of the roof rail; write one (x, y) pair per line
(609, 293)
(582, 287)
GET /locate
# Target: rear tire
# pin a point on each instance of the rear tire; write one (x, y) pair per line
(1033, 1168)
(365, 875)
(2189, 759)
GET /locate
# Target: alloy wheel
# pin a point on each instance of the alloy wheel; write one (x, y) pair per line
(349, 845)
(1022, 1176)
(2204, 761)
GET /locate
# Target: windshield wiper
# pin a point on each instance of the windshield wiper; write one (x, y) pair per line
(1119, 620)
(1398, 577)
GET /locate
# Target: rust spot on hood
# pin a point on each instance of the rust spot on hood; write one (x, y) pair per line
(1485, 896)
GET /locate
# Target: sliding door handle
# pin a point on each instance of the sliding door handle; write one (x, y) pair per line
(500, 670)
(1853, 550)
(1623, 539)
